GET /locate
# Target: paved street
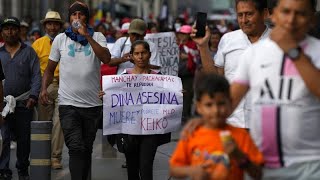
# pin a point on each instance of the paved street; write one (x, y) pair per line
(107, 165)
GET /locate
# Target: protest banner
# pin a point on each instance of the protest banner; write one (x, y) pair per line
(168, 51)
(141, 104)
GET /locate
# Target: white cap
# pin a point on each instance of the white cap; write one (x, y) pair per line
(125, 27)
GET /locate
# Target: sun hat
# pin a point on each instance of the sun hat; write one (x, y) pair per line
(52, 16)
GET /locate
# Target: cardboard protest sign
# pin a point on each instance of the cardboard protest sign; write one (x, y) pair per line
(168, 51)
(141, 104)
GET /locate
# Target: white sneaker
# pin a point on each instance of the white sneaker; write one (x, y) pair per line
(13, 145)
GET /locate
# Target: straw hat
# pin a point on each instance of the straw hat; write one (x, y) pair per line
(52, 16)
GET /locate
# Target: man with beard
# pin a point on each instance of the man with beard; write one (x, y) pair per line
(23, 81)
(52, 25)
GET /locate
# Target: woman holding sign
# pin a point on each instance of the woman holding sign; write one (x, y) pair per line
(140, 160)
(140, 150)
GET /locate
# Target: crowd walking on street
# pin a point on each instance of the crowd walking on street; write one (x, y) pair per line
(250, 96)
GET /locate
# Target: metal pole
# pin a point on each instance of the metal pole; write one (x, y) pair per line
(40, 150)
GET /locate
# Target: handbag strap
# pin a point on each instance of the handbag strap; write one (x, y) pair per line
(122, 47)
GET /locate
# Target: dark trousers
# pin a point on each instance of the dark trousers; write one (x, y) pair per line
(187, 83)
(79, 126)
(140, 160)
(19, 125)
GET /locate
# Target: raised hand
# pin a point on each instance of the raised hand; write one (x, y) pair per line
(200, 41)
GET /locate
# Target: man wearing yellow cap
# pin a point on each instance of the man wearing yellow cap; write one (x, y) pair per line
(52, 25)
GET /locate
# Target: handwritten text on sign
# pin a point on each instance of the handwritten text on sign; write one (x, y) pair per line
(141, 104)
(168, 51)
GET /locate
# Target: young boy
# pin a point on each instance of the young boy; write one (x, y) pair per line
(215, 150)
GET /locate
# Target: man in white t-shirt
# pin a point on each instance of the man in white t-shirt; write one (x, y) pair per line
(80, 51)
(282, 73)
(120, 55)
(251, 15)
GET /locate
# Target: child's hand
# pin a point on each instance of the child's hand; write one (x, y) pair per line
(228, 143)
(200, 173)
(101, 94)
(230, 146)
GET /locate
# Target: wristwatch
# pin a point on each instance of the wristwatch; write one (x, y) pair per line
(294, 53)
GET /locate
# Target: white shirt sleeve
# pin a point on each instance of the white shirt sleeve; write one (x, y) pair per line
(116, 49)
(242, 74)
(312, 50)
(101, 39)
(219, 58)
(55, 49)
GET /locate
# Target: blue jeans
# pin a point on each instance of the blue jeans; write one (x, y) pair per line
(17, 124)
(79, 126)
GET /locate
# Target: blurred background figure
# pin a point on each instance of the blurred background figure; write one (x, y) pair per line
(189, 57)
(101, 27)
(315, 30)
(178, 22)
(34, 35)
(152, 28)
(66, 25)
(214, 41)
(24, 30)
(1, 41)
(105, 30)
(222, 26)
(123, 32)
(52, 25)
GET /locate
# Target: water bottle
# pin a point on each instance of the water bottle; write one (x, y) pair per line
(76, 24)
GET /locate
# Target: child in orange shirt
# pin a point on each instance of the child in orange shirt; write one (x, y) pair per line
(215, 150)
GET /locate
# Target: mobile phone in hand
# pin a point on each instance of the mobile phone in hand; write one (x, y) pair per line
(201, 22)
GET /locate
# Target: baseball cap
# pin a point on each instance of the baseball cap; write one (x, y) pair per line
(137, 26)
(186, 29)
(25, 24)
(10, 21)
(125, 27)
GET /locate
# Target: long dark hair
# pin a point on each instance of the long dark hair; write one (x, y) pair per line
(145, 45)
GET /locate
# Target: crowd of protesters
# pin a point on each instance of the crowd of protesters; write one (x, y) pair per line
(252, 89)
